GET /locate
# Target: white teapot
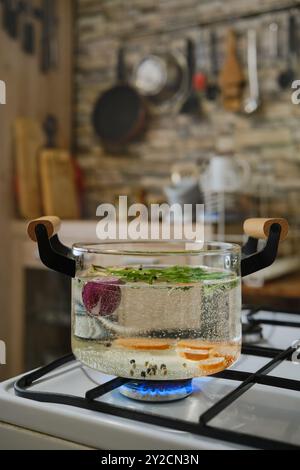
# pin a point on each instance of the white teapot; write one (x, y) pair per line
(225, 173)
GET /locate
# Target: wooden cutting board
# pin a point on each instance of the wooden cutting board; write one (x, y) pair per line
(28, 140)
(59, 194)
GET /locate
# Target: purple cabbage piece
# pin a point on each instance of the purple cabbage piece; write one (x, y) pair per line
(102, 296)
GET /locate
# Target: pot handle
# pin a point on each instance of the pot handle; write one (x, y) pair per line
(273, 231)
(51, 223)
(53, 253)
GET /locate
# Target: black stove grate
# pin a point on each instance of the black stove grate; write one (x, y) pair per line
(266, 321)
(202, 427)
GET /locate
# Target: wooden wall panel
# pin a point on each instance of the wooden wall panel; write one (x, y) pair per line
(29, 93)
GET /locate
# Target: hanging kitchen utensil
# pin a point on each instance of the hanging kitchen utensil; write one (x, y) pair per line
(10, 17)
(28, 30)
(45, 39)
(151, 74)
(286, 77)
(274, 50)
(5, 14)
(50, 127)
(231, 78)
(191, 105)
(53, 26)
(252, 102)
(273, 55)
(212, 88)
(49, 45)
(119, 115)
(200, 77)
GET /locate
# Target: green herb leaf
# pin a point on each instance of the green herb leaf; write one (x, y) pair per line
(172, 274)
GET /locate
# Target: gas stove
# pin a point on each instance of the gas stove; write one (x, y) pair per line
(255, 404)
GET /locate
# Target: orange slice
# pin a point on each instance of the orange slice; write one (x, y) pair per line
(217, 353)
(195, 354)
(194, 344)
(144, 344)
(230, 360)
(213, 365)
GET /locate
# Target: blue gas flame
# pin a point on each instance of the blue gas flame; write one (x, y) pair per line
(158, 389)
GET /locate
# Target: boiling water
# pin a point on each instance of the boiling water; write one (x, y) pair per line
(157, 331)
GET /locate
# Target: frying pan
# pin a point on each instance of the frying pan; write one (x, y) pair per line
(119, 115)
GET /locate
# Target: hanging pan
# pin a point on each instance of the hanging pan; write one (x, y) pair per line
(119, 115)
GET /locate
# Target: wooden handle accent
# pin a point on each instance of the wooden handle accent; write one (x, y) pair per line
(260, 228)
(52, 224)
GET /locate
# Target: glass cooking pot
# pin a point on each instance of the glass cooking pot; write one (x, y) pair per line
(157, 310)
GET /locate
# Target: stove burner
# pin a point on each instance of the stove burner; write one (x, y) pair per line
(252, 333)
(157, 391)
(202, 426)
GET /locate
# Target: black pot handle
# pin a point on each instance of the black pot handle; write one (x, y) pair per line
(53, 253)
(58, 257)
(273, 231)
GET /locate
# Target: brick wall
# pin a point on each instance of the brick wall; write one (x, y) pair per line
(271, 136)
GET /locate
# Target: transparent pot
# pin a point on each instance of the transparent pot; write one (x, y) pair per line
(157, 311)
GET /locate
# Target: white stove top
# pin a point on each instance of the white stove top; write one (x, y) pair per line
(265, 411)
